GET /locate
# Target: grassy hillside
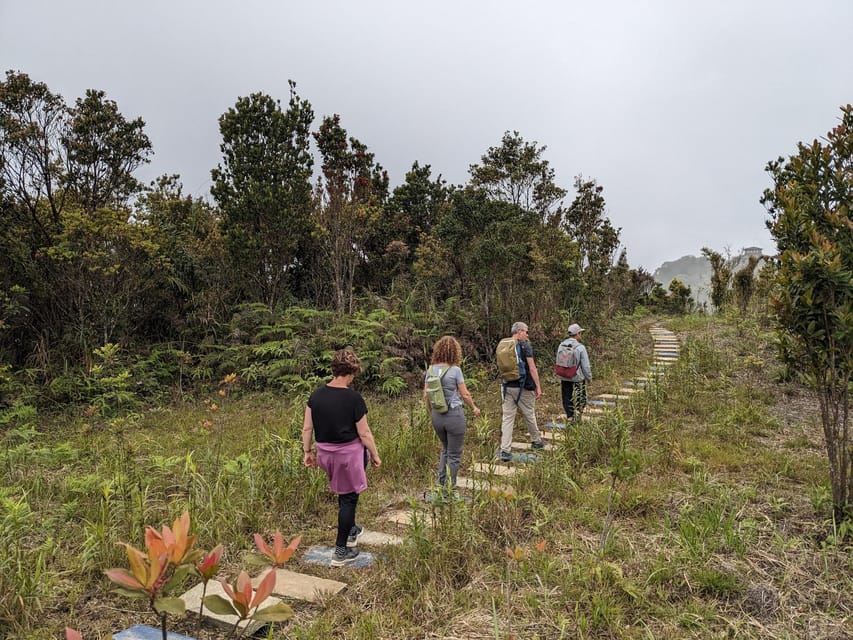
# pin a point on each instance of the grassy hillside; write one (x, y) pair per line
(723, 530)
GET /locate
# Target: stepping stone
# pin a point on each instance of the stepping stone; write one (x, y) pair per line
(614, 396)
(300, 586)
(639, 382)
(378, 539)
(495, 469)
(551, 424)
(516, 457)
(323, 556)
(552, 435)
(483, 485)
(600, 403)
(192, 598)
(627, 391)
(144, 632)
(524, 446)
(402, 518)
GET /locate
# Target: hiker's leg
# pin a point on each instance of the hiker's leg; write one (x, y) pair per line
(347, 502)
(508, 419)
(580, 396)
(527, 405)
(439, 425)
(566, 396)
(456, 425)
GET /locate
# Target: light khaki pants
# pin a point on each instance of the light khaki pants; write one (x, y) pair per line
(527, 406)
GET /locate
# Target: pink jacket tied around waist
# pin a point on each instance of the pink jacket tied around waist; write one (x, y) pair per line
(344, 464)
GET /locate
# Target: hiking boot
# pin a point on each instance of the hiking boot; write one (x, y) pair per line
(343, 558)
(537, 445)
(506, 457)
(354, 534)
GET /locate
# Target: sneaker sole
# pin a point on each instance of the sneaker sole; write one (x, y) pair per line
(343, 563)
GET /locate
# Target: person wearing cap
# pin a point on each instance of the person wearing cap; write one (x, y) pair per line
(573, 390)
(518, 396)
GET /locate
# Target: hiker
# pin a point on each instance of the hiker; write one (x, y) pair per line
(521, 394)
(449, 424)
(337, 418)
(573, 390)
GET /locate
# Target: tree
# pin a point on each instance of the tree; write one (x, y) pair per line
(587, 224)
(515, 172)
(263, 188)
(348, 203)
(721, 275)
(103, 150)
(32, 157)
(810, 218)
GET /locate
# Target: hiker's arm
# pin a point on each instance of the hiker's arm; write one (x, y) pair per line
(466, 397)
(367, 440)
(534, 373)
(307, 432)
(585, 367)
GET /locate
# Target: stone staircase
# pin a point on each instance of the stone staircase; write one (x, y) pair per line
(492, 476)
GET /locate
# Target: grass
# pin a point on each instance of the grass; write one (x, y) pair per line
(723, 532)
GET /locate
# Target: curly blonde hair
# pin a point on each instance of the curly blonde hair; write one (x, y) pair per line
(345, 362)
(447, 349)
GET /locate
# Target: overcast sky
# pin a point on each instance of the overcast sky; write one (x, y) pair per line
(673, 106)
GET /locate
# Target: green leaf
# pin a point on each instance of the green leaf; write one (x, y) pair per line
(175, 606)
(274, 613)
(220, 606)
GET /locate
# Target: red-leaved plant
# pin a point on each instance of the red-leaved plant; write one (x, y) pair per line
(245, 601)
(168, 559)
(278, 554)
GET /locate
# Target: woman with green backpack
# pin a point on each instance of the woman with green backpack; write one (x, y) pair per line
(444, 394)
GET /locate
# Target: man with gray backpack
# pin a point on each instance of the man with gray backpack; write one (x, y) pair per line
(573, 369)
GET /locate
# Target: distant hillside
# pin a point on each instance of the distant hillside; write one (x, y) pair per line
(695, 272)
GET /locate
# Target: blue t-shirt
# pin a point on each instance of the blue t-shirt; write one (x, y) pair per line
(449, 383)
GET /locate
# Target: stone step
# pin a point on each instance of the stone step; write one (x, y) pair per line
(593, 402)
(525, 446)
(476, 484)
(301, 586)
(627, 391)
(614, 396)
(557, 434)
(378, 539)
(322, 555)
(144, 632)
(401, 518)
(192, 599)
(493, 469)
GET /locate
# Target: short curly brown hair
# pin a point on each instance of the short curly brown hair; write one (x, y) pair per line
(447, 349)
(345, 362)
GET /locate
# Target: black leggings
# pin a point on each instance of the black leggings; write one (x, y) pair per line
(347, 502)
(574, 397)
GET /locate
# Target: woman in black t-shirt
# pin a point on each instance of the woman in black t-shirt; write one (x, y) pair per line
(336, 417)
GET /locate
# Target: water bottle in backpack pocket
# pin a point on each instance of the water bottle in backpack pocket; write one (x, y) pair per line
(435, 392)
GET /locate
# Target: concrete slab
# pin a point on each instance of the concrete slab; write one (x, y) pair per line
(599, 403)
(301, 586)
(494, 469)
(144, 632)
(401, 518)
(524, 446)
(553, 435)
(192, 598)
(483, 485)
(627, 391)
(323, 556)
(378, 539)
(613, 396)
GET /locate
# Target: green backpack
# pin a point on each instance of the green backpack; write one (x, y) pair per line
(435, 392)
